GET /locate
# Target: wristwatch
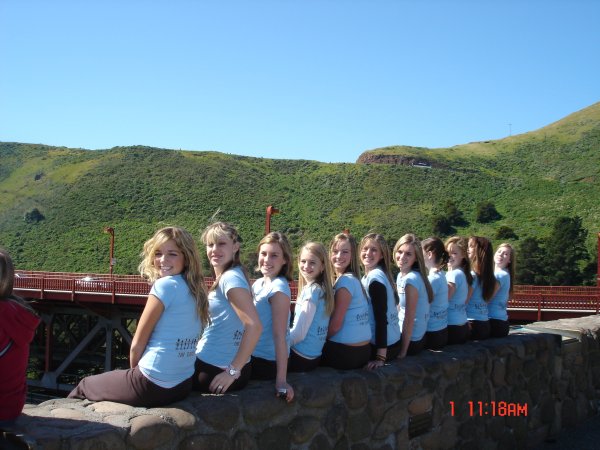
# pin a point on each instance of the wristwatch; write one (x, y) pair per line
(235, 373)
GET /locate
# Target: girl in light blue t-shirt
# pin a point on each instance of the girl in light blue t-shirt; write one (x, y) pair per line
(505, 273)
(313, 309)
(349, 335)
(383, 299)
(435, 256)
(484, 286)
(459, 280)
(415, 294)
(272, 299)
(162, 349)
(223, 353)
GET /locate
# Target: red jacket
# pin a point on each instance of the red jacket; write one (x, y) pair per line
(17, 326)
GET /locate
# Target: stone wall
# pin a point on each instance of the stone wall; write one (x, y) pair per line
(532, 384)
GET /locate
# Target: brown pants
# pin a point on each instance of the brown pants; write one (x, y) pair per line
(130, 387)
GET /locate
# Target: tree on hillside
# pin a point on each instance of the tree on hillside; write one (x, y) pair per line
(454, 215)
(442, 226)
(34, 216)
(486, 212)
(565, 252)
(530, 268)
(505, 232)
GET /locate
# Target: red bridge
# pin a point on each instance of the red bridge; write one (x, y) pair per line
(89, 319)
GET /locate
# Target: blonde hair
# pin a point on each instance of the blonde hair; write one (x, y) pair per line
(324, 278)
(211, 234)
(354, 266)
(462, 244)
(419, 264)
(385, 263)
(192, 269)
(276, 237)
(511, 265)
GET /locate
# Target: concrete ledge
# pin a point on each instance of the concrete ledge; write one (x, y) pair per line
(501, 393)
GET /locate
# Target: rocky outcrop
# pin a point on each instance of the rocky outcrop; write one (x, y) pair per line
(404, 160)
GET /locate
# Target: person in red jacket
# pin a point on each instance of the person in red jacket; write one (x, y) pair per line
(17, 326)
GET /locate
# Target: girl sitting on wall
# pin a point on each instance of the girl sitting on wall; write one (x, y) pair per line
(349, 335)
(313, 309)
(162, 350)
(223, 352)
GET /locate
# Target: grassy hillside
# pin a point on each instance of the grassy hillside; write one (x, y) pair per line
(531, 178)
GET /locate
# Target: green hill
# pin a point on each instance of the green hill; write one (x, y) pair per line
(531, 178)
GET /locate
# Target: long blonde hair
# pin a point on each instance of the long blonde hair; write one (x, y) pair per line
(192, 270)
(212, 234)
(462, 244)
(385, 264)
(354, 266)
(419, 264)
(324, 278)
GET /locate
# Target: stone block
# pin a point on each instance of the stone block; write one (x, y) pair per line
(315, 395)
(149, 432)
(420, 405)
(262, 406)
(275, 438)
(394, 419)
(354, 391)
(205, 442)
(335, 421)
(359, 427)
(111, 408)
(221, 414)
(303, 429)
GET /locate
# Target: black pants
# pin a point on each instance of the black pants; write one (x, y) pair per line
(345, 357)
(499, 328)
(263, 369)
(458, 334)
(435, 340)
(298, 363)
(204, 374)
(416, 347)
(480, 330)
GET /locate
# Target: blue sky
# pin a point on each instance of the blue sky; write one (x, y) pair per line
(305, 79)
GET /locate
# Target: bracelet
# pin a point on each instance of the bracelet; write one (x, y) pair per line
(380, 358)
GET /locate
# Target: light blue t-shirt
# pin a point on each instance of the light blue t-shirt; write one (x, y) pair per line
(265, 348)
(414, 279)
(499, 302)
(457, 305)
(312, 344)
(169, 358)
(393, 327)
(355, 327)
(438, 308)
(477, 308)
(221, 339)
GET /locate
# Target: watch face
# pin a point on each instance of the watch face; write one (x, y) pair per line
(232, 372)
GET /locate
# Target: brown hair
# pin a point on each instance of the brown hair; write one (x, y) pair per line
(275, 237)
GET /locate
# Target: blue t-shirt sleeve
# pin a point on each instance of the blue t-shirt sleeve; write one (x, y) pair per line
(280, 285)
(413, 280)
(232, 279)
(164, 290)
